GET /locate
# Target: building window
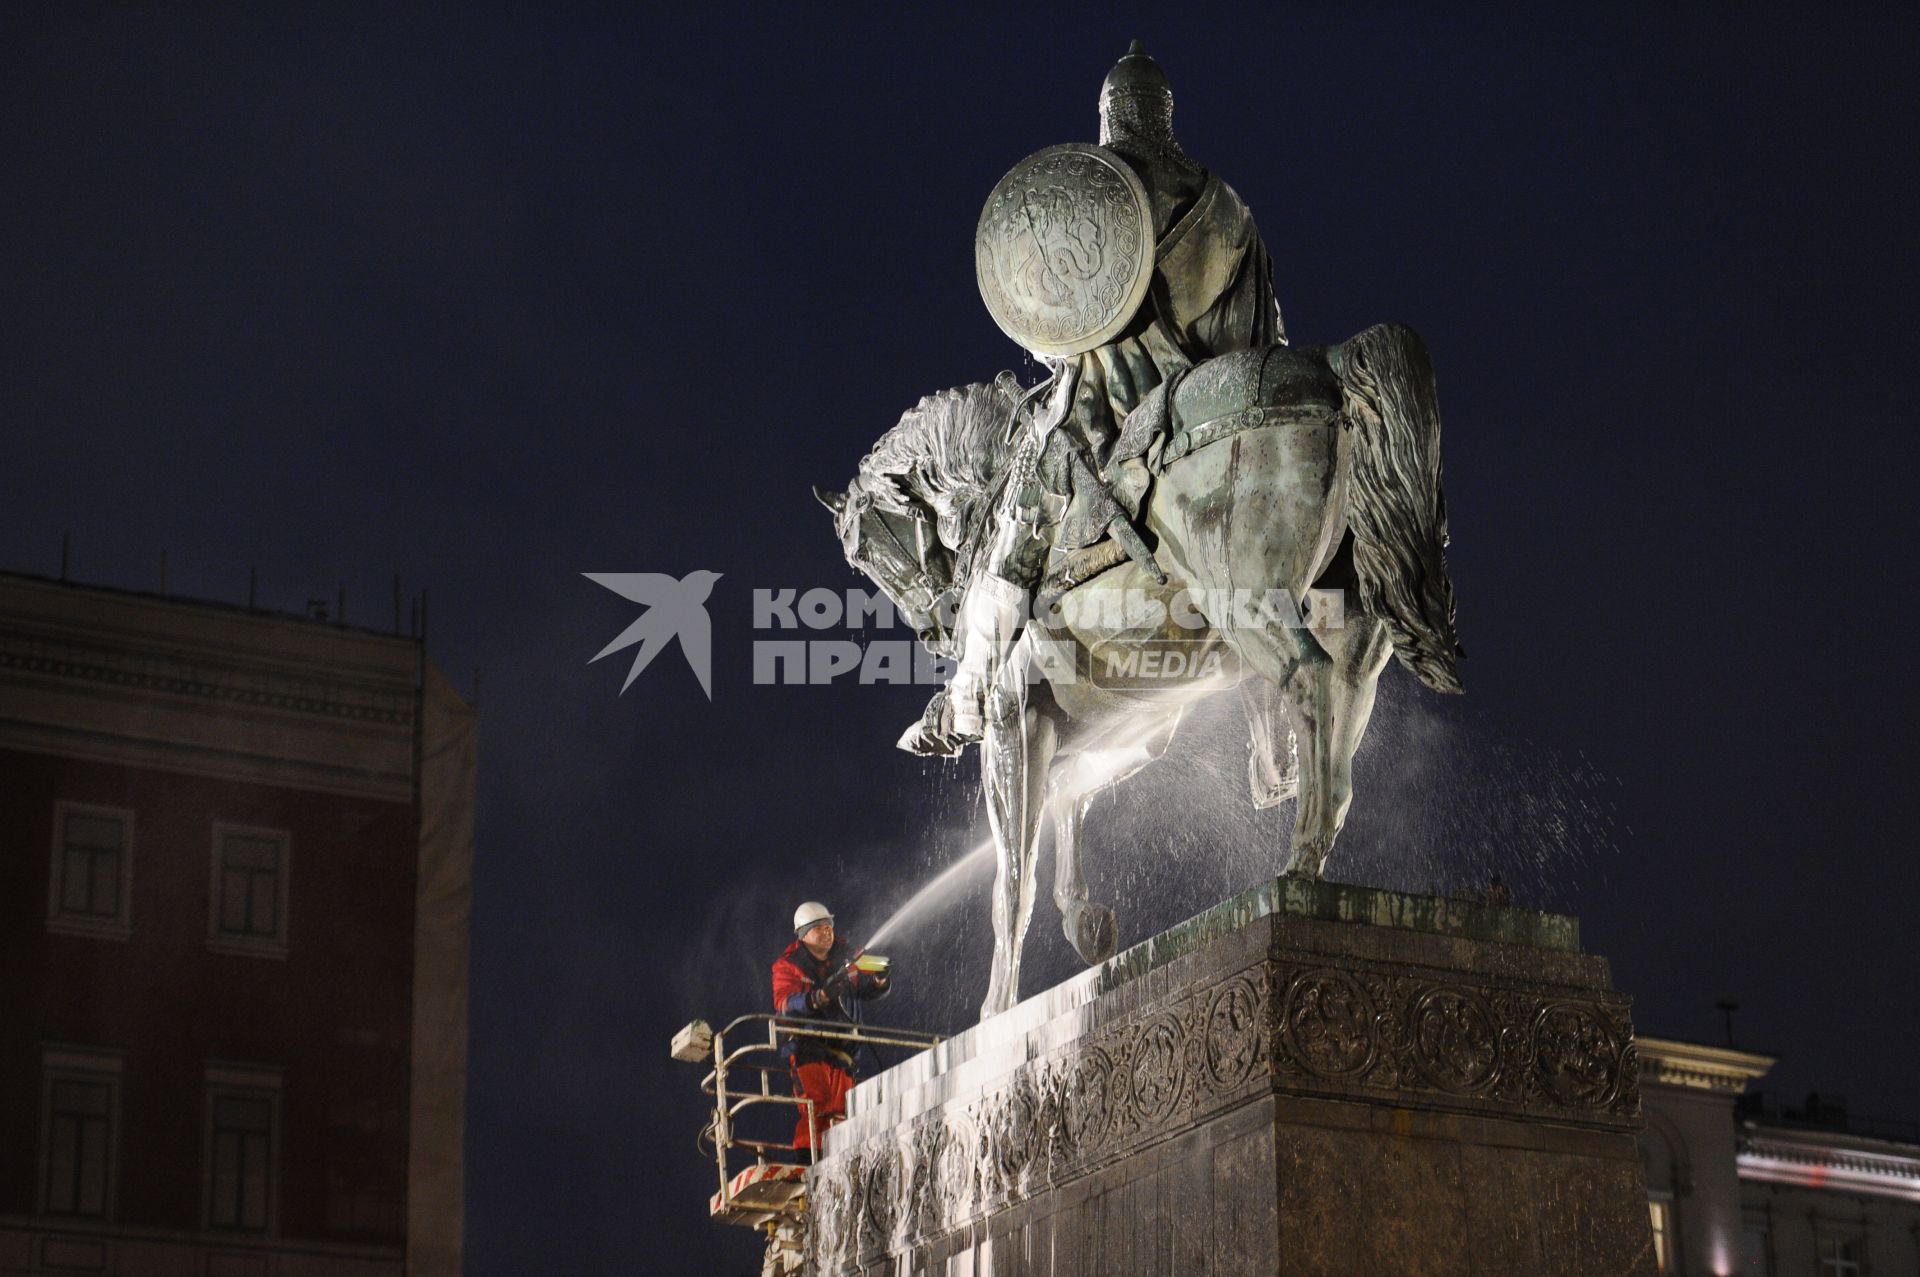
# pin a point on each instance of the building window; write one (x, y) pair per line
(242, 1147)
(91, 877)
(247, 913)
(1839, 1258)
(80, 1112)
(1661, 1209)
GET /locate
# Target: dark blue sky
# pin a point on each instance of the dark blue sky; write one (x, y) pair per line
(493, 299)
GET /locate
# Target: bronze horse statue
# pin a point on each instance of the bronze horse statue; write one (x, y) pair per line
(1302, 474)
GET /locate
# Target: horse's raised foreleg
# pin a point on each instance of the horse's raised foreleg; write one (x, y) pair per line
(1014, 757)
(1071, 788)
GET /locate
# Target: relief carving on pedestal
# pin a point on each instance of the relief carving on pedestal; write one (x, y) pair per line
(925, 1162)
(1356, 1033)
(1157, 1062)
(1054, 1119)
(878, 1194)
(1579, 1056)
(1328, 1021)
(1015, 1133)
(1233, 1034)
(1455, 1044)
(1364, 1030)
(1088, 1102)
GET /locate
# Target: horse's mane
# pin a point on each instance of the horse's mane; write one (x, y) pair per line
(948, 449)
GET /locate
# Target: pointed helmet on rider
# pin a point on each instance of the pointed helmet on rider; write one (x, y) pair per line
(1136, 104)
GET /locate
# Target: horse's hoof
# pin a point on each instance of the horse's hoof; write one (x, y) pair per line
(1274, 795)
(1092, 931)
(1308, 870)
(1270, 786)
(925, 745)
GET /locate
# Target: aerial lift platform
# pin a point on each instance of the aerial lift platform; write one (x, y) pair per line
(748, 1071)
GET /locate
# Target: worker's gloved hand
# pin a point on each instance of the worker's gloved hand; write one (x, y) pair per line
(819, 999)
(879, 983)
(839, 984)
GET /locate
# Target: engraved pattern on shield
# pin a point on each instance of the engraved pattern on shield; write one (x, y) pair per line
(1063, 252)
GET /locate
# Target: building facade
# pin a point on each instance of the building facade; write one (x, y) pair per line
(1738, 1187)
(235, 866)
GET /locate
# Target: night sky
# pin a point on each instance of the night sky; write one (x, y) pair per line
(492, 300)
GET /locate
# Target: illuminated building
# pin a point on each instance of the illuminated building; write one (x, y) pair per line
(1737, 1187)
(235, 863)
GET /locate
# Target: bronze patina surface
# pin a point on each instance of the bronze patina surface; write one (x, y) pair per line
(1064, 250)
(1181, 460)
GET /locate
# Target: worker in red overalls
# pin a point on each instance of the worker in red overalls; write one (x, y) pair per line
(814, 979)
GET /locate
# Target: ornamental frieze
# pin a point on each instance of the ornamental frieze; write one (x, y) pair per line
(1392, 1035)
(1053, 1120)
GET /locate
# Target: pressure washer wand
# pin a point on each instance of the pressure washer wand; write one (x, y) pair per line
(864, 963)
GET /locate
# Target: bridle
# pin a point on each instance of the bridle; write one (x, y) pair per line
(920, 592)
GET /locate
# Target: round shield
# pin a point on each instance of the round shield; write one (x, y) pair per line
(1064, 251)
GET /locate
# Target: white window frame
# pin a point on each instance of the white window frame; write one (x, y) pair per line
(1838, 1266)
(93, 926)
(228, 1080)
(90, 1065)
(254, 946)
(1660, 1213)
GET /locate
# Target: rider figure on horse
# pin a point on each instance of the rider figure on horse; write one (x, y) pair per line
(1211, 294)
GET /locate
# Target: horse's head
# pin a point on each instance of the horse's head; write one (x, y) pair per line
(893, 539)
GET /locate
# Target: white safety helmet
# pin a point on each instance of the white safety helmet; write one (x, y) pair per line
(810, 914)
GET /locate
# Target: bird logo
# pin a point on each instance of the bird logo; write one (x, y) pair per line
(675, 609)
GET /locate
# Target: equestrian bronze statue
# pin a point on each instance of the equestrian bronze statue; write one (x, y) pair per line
(1186, 506)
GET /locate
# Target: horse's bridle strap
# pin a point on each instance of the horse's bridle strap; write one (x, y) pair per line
(920, 582)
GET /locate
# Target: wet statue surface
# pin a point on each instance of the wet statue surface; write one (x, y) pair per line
(1187, 503)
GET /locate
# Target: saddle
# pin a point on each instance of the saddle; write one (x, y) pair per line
(1193, 409)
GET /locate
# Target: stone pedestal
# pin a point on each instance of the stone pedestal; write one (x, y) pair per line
(1308, 1079)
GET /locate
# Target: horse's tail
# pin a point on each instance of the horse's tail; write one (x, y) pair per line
(1397, 506)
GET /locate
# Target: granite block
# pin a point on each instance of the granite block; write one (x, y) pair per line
(1306, 1079)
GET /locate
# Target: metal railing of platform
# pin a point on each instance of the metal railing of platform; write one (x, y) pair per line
(746, 1056)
